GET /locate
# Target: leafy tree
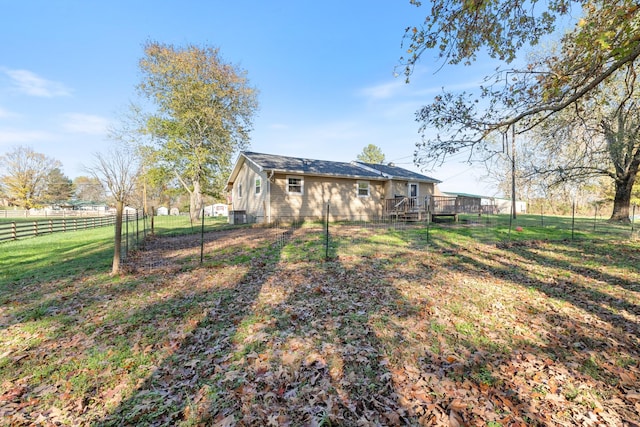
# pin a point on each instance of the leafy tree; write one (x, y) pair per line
(371, 154)
(204, 112)
(117, 169)
(599, 137)
(25, 176)
(602, 44)
(59, 188)
(89, 189)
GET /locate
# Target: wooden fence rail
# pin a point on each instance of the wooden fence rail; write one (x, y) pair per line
(22, 229)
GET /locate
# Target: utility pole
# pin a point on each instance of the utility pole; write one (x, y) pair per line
(513, 170)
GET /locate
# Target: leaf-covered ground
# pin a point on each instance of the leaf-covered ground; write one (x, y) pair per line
(391, 330)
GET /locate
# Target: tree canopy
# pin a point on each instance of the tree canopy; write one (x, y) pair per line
(203, 114)
(24, 176)
(602, 43)
(371, 154)
(58, 187)
(605, 40)
(88, 189)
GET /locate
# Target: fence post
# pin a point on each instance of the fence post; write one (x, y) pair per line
(153, 213)
(50, 226)
(573, 218)
(14, 234)
(144, 224)
(633, 217)
(126, 245)
(202, 238)
(35, 228)
(137, 230)
(326, 244)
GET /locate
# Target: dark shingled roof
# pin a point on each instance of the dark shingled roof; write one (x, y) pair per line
(309, 166)
(398, 172)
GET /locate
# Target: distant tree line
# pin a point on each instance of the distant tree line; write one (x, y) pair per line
(29, 179)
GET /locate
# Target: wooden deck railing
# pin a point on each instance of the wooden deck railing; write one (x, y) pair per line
(433, 205)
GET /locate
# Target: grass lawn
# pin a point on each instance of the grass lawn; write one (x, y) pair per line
(412, 326)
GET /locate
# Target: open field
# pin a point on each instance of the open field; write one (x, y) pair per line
(409, 326)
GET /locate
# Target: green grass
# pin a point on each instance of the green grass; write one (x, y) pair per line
(55, 256)
(181, 224)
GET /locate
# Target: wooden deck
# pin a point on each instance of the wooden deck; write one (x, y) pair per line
(431, 207)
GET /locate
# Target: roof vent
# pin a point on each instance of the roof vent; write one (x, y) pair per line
(391, 164)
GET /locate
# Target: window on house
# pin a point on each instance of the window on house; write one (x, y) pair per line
(363, 188)
(258, 185)
(239, 191)
(295, 184)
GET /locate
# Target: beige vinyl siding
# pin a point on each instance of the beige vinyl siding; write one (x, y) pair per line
(340, 193)
(426, 189)
(254, 204)
(401, 188)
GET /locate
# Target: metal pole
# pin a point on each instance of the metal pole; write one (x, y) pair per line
(202, 239)
(326, 244)
(137, 230)
(573, 219)
(513, 171)
(126, 246)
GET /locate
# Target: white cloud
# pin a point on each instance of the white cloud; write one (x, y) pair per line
(6, 114)
(13, 136)
(85, 123)
(384, 90)
(32, 84)
(278, 126)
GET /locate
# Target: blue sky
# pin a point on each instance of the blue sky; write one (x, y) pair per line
(324, 70)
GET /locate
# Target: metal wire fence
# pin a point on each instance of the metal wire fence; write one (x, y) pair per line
(324, 238)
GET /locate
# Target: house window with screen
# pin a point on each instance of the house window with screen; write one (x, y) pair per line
(363, 188)
(295, 185)
(258, 185)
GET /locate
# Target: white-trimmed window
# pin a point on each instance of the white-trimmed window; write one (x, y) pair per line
(363, 189)
(258, 185)
(239, 191)
(295, 185)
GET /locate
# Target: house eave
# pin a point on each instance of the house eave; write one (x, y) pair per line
(330, 175)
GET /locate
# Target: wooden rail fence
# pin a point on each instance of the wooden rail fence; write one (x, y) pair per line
(22, 229)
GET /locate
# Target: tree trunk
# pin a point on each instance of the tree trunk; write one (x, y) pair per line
(622, 199)
(195, 201)
(117, 241)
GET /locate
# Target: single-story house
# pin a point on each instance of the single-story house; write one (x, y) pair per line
(267, 187)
